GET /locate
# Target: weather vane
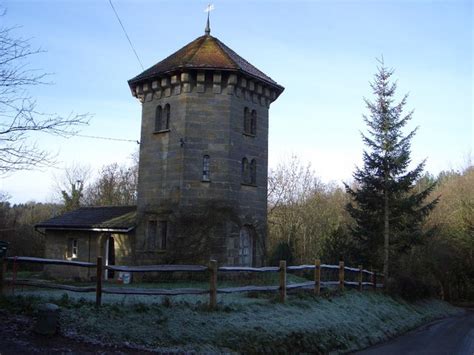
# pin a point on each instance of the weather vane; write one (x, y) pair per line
(208, 9)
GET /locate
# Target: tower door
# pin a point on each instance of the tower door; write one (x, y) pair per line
(109, 256)
(245, 247)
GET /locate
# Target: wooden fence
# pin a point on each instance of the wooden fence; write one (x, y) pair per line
(212, 269)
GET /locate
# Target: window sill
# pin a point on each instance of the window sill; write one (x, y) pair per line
(248, 184)
(249, 134)
(162, 131)
(159, 251)
(148, 251)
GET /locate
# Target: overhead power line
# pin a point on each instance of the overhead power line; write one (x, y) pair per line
(107, 138)
(126, 34)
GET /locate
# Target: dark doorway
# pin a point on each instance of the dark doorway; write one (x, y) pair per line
(110, 245)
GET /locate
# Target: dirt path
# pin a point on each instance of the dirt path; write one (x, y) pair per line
(17, 337)
(454, 335)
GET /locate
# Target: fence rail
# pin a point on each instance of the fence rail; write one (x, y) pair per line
(212, 270)
(45, 284)
(157, 268)
(249, 269)
(28, 259)
(154, 291)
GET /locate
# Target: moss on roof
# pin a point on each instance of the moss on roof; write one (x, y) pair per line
(205, 52)
(84, 218)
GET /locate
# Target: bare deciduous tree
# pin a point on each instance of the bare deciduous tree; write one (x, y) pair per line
(303, 212)
(115, 185)
(70, 187)
(19, 115)
(451, 249)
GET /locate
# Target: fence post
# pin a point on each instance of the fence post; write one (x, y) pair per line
(317, 277)
(374, 280)
(98, 288)
(341, 275)
(282, 281)
(213, 284)
(15, 270)
(360, 277)
(2, 275)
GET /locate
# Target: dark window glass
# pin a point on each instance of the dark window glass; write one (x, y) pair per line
(206, 170)
(253, 172)
(151, 234)
(253, 123)
(73, 248)
(246, 120)
(163, 234)
(167, 116)
(158, 119)
(245, 171)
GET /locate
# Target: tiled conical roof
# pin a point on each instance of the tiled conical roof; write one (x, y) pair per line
(205, 52)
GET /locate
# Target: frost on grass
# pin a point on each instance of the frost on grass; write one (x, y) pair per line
(305, 324)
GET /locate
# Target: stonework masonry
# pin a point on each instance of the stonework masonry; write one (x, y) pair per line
(202, 182)
(89, 246)
(207, 118)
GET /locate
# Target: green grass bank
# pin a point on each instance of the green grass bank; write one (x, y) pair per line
(340, 323)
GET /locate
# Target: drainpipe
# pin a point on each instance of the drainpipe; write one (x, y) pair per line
(89, 257)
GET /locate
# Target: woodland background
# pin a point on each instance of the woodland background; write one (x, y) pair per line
(307, 219)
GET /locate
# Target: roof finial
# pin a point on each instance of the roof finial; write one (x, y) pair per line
(209, 8)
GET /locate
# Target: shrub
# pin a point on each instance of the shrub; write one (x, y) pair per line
(411, 277)
(281, 252)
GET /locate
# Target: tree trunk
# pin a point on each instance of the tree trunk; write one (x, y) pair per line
(443, 298)
(386, 232)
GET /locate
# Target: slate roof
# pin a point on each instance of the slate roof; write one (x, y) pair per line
(109, 218)
(205, 52)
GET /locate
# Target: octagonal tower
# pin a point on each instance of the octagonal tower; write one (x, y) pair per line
(202, 183)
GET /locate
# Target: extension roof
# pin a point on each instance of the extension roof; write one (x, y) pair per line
(121, 219)
(205, 53)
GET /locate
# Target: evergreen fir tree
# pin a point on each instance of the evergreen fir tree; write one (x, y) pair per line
(385, 206)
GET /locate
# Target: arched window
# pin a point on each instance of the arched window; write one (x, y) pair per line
(253, 172)
(245, 171)
(158, 118)
(245, 247)
(151, 234)
(246, 120)
(206, 170)
(253, 123)
(167, 117)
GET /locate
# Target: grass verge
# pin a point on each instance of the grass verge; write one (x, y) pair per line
(341, 323)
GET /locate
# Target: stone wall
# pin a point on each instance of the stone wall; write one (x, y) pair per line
(207, 118)
(90, 245)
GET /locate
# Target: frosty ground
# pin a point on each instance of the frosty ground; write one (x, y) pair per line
(340, 322)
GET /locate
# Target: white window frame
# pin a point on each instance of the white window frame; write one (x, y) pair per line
(74, 249)
(206, 168)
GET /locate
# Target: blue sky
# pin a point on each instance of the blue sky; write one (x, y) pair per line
(323, 52)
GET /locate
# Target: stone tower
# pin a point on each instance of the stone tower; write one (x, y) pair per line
(202, 185)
